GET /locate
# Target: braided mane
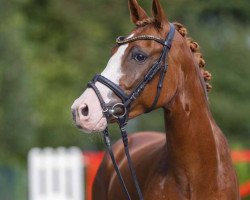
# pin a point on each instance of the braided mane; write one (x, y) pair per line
(194, 47)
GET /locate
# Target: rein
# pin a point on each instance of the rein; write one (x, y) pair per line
(122, 119)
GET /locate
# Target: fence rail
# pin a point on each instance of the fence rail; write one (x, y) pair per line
(56, 174)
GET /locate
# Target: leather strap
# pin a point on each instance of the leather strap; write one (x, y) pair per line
(115, 88)
(111, 154)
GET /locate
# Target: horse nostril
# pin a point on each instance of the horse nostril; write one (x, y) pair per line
(85, 111)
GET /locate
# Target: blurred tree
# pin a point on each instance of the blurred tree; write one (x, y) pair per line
(16, 130)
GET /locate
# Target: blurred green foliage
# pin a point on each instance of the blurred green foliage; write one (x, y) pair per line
(50, 49)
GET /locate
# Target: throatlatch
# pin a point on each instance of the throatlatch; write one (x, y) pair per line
(160, 66)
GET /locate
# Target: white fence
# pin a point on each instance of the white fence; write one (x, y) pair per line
(56, 174)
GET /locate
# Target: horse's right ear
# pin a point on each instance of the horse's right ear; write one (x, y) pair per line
(158, 13)
(136, 12)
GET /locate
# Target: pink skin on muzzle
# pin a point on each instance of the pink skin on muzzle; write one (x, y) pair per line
(87, 113)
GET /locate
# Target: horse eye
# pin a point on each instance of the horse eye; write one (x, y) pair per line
(139, 57)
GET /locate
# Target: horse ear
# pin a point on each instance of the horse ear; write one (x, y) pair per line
(136, 12)
(158, 13)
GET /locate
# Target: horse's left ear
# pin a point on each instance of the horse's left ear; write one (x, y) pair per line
(158, 14)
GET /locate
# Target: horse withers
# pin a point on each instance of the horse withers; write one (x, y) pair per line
(192, 160)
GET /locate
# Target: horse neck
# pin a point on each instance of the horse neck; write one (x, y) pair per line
(191, 145)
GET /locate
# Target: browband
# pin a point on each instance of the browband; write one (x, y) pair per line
(124, 40)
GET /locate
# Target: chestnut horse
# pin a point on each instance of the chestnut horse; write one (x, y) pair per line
(192, 160)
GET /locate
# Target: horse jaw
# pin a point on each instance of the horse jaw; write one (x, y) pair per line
(87, 111)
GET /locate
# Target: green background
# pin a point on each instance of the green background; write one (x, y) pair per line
(50, 49)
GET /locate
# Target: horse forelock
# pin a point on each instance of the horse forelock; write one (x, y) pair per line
(145, 22)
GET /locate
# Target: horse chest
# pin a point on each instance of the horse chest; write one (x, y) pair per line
(164, 187)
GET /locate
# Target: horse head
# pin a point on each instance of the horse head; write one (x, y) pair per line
(131, 60)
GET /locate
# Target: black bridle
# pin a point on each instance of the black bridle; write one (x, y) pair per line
(122, 118)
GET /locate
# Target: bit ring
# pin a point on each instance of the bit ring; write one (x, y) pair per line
(121, 105)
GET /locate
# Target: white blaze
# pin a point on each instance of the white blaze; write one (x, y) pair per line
(112, 72)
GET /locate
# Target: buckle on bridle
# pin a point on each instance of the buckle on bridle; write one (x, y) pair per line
(106, 110)
(112, 111)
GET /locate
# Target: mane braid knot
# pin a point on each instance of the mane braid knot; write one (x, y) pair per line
(195, 49)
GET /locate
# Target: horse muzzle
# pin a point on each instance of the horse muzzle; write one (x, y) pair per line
(87, 113)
